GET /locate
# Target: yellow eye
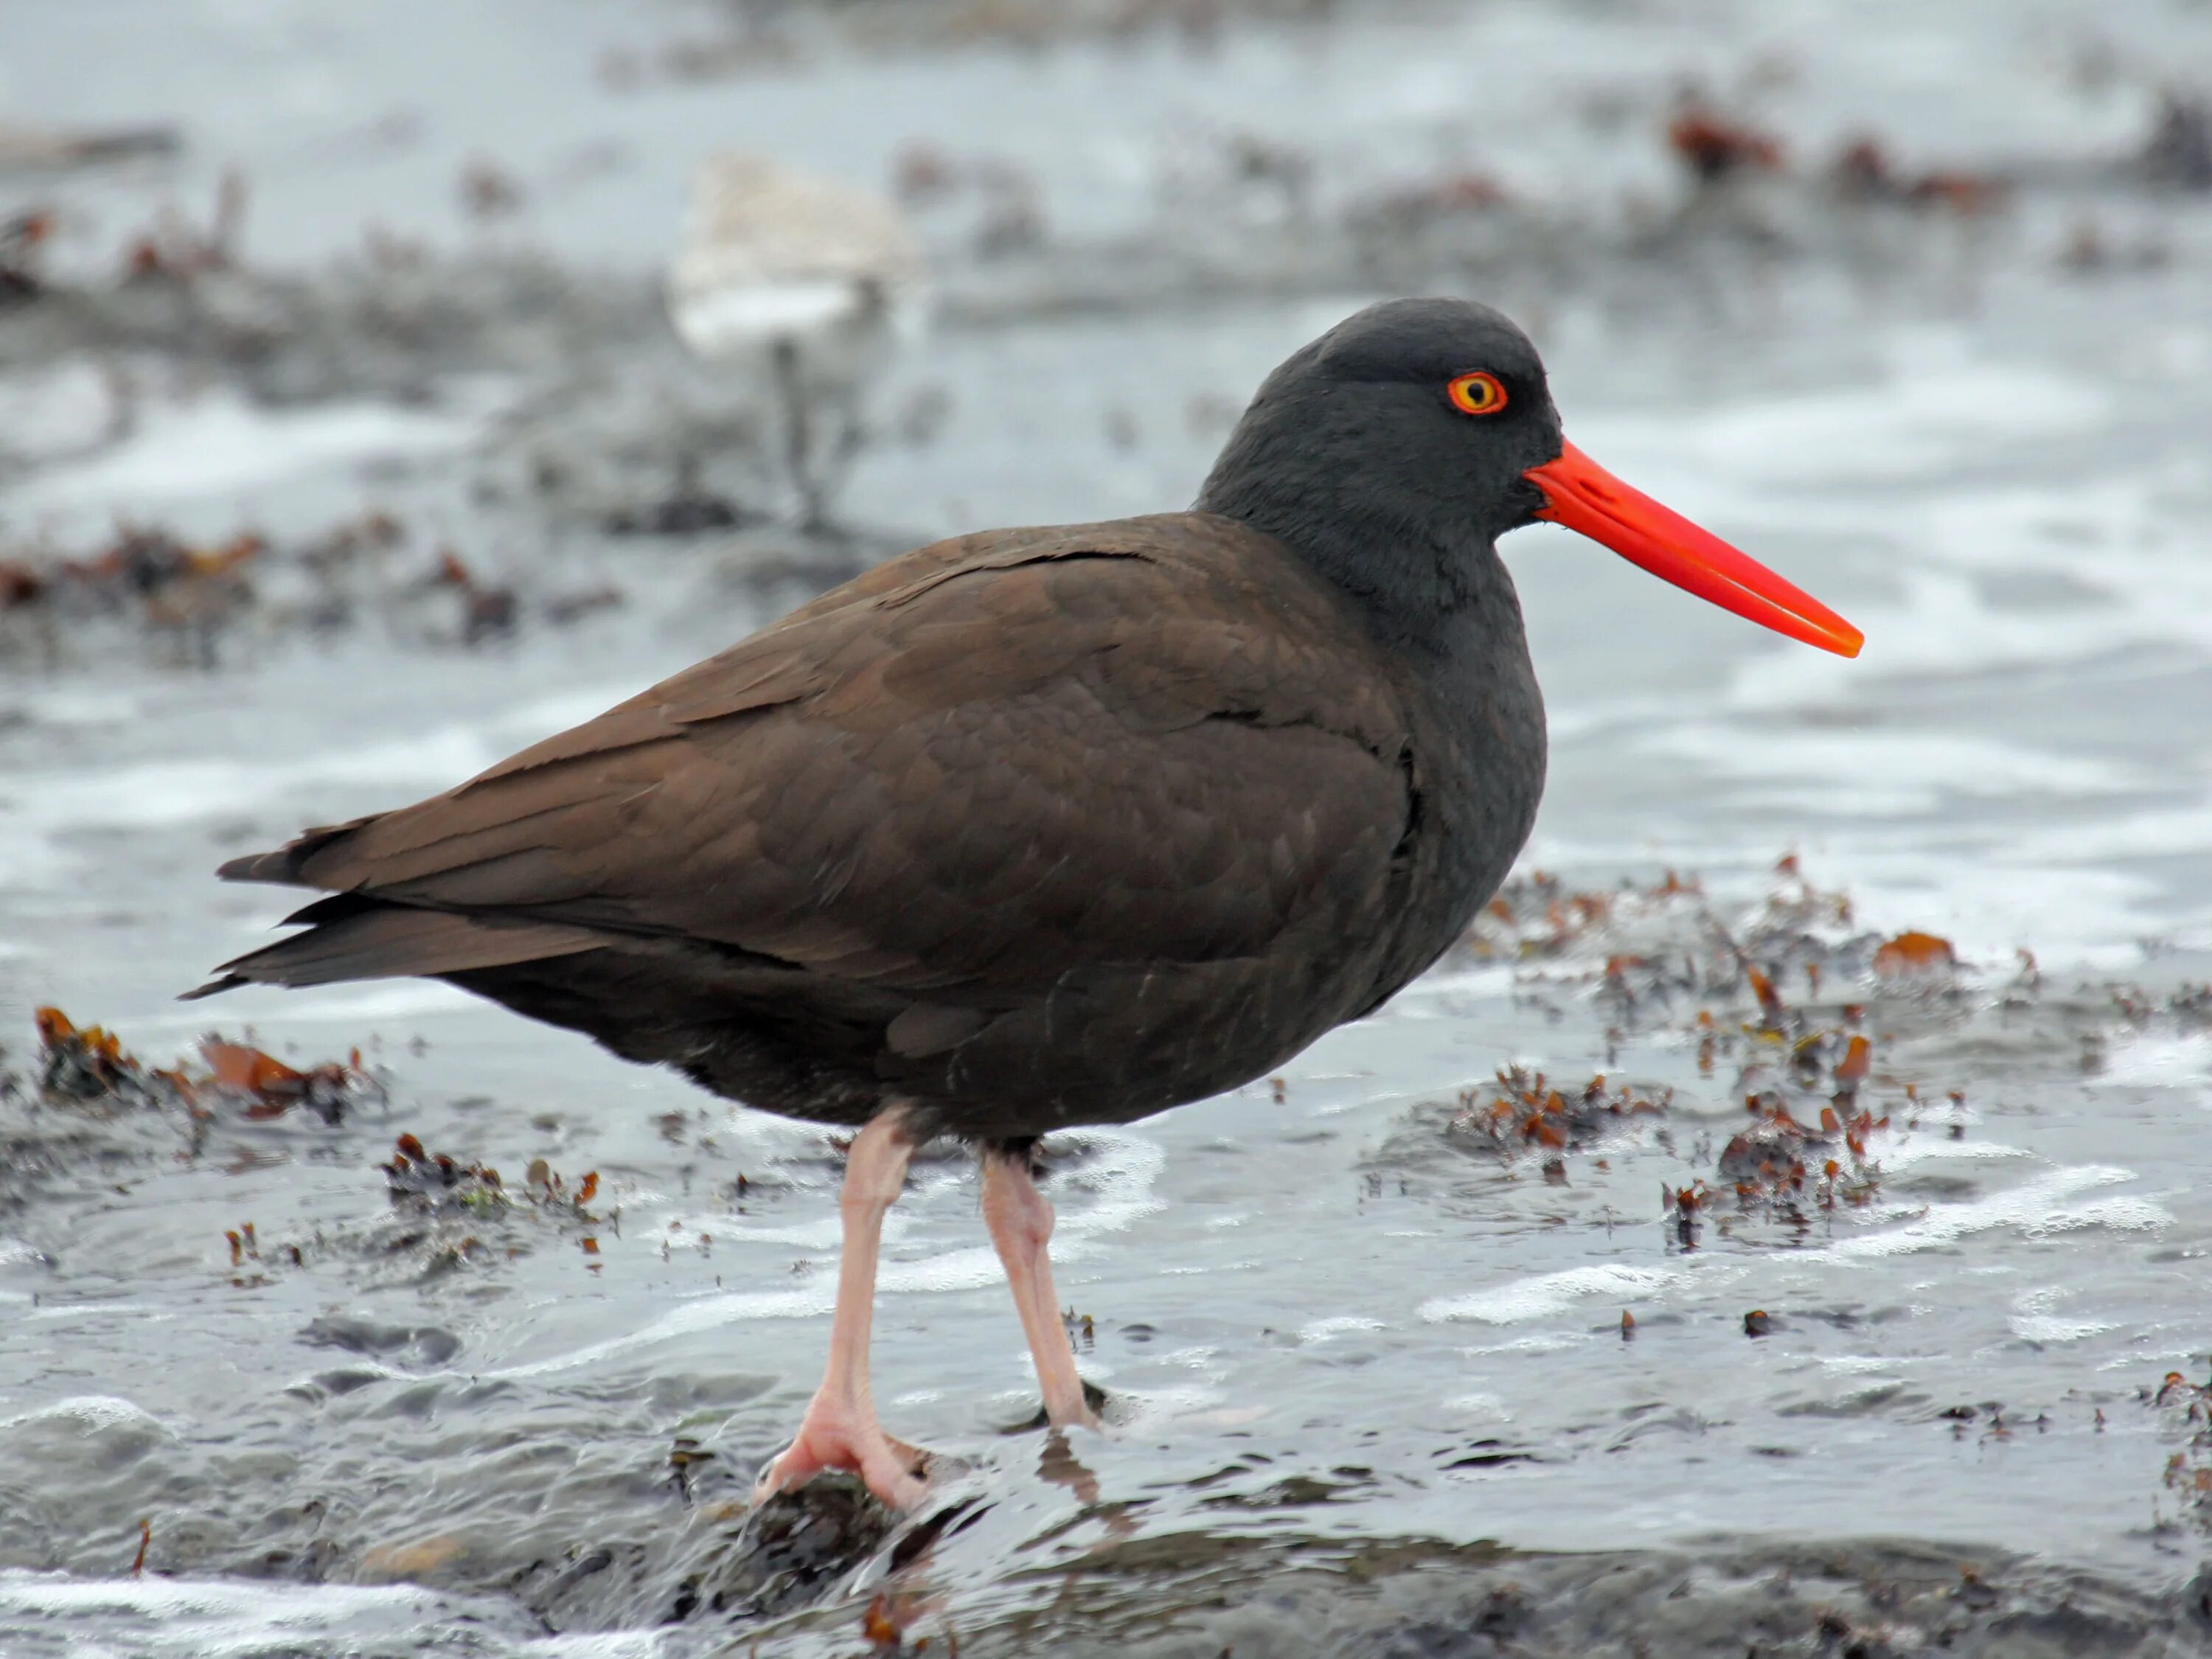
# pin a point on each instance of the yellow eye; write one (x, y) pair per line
(1478, 393)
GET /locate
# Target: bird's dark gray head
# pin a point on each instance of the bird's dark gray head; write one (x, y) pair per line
(1393, 450)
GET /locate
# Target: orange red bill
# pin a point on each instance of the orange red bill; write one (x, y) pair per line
(1589, 501)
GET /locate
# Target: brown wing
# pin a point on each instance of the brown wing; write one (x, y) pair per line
(993, 763)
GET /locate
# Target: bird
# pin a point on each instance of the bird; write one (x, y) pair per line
(808, 282)
(1035, 828)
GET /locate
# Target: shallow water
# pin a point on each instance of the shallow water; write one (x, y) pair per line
(1346, 1343)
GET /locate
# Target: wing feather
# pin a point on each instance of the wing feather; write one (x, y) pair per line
(1041, 753)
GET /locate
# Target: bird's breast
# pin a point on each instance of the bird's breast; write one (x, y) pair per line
(1476, 764)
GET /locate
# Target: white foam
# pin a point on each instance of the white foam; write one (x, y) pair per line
(154, 794)
(2016, 528)
(219, 444)
(90, 1412)
(1323, 1330)
(682, 1233)
(1925, 420)
(2119, 1215)
(2152, 832)
(2033, 1320)
(1919, 1148)
(600, 1645)
(1547, 1342)
(54, 414)
(1862, 1364)
(704, 1313)
(2036, 1208)
(1487, 1406)
(1483, 980)
(2156, 1059)
(1121, 1177)
(1535, 1298)
(2050, 1329)
(204, 1619)
(2125, 541)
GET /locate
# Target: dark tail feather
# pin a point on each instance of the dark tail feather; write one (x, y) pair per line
(283, 866)
(353, 938)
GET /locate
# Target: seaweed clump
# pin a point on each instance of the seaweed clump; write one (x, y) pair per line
(1521, 1109)
(87, 1067)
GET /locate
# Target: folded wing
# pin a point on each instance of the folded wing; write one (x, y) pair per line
(978, 771)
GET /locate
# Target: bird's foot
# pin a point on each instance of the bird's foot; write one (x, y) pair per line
(837, 1435)
(1083, 1407)
(1086, 1406)
(1080, 1414)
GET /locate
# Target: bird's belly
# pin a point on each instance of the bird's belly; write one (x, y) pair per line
(1110, 1043)
(1114, 1044)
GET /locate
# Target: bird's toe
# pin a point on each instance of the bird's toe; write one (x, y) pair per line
(889, 1467)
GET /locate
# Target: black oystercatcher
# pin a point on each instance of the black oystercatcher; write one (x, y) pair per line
(1038, 827)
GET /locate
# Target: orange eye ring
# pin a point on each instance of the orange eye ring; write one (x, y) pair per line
(1478, 393)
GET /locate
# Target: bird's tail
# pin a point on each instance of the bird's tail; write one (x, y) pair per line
(352, 936)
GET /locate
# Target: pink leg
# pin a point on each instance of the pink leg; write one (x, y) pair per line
(1020, 1220)
(839, 1431)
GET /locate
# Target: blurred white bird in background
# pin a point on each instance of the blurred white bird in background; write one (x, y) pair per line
(809, 285)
